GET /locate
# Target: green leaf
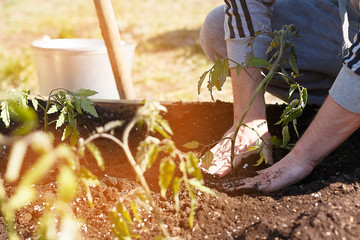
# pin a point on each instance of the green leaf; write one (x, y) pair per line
(35, 103)
(167, 169)
(38, 170)
(22, 196)
(295, 127)
(74, 138)
(192, 165)
(120, 208)
(61, 119)
(199, 184)
(53, 109)
(286, 135)
(191, 145)
(239, 67)
(201, 80)
(85, 92)
(293, 59)
(97, 155)
(304, 96)
(258, 62)
(161, 130)
(275, 141)
(77, 105)
(224, 73)
(67, 184)
(119, 227)
(16, 159)
(87, 105)
(5, 114)
(289, 108)
(135, 211)
(166, 126)
(291, 90)
(87, 177)
(67, 132)
(216, 73)
(176, 191)
(259, 161)
(293, 114)
(207, 159)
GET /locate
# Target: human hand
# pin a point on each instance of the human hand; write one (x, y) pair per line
(284, 173)
(246, 137)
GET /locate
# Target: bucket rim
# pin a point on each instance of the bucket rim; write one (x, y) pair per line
(70, 44)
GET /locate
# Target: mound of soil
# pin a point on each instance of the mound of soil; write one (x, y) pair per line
(323, 206)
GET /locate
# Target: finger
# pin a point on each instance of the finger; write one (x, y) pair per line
(247, 185)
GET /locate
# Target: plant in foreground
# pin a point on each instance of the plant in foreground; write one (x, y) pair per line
(58, 216)
(282, 52)
(148, 152)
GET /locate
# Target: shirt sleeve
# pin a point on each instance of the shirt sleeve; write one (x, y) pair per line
(243, 18)
(346, 88)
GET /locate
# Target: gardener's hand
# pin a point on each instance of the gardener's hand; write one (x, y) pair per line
(244, 86)
(325, 133)
(247, 137)
(282, 174)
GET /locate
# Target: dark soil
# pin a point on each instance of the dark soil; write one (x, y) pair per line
(326, 205)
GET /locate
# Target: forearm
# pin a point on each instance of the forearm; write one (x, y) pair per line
(244, 86)
(332, 126)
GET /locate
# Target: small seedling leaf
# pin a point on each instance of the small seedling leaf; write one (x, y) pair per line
(192, 165)
(5, 114)
(252, 149)
(200, 186)
(201, 80)
(176, 191)
(124, 212)
(61, 120)
(88, 106)
(167, 169)
(291, 90)
(67, 132)
(239, 67)
(207, 159)
(35, 103)
(16, 159)
(22, 196)
(74, 138)
(258, 62)
(67, 184)
(259, 161)
(53, 109)
(97, 155)
(85, 92)
(191, 145)
(286, 135)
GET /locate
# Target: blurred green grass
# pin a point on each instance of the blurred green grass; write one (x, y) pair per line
(168, 59)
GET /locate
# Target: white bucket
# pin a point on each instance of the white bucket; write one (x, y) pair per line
(77, 63)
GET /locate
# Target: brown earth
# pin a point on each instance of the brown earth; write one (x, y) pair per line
(323, 206)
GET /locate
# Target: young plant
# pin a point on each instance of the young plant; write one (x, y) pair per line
(283, 53)
(148, 152)
(67, 103)
(58, 212)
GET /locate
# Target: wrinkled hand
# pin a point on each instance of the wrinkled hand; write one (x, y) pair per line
(284, 173)
(221, 164)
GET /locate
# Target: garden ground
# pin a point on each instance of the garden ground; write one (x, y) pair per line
(323, 206)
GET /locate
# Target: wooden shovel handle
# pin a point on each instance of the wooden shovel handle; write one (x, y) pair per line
(114, 47)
